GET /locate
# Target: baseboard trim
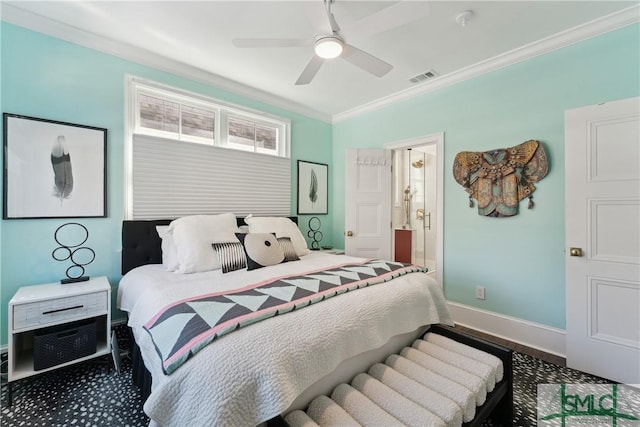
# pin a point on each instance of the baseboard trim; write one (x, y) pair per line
(120, 321)
(535, 335)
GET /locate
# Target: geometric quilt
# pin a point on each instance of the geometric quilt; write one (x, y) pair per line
(183, 328)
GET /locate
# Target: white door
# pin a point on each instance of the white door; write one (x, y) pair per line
(602, 159)
(368, 203)
(431, 210)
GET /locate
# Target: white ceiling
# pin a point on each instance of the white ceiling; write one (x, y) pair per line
(199, 34)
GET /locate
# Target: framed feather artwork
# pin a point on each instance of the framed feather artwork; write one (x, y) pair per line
(313, 192)
(53, 169)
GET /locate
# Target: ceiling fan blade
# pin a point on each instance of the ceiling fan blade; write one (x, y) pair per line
(310, 71)
(366, 61)
(388, 18)
(321, 18)
(317, 15)
(272, 42)
(332, 21)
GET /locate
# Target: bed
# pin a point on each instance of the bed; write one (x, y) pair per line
(257, 372)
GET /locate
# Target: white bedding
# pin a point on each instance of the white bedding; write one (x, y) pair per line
(255, 373)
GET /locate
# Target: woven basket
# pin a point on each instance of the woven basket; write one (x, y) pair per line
(59, 344)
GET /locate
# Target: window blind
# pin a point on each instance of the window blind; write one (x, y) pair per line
(173, 179)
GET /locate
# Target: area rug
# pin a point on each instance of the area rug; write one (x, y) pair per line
(93, 394)
(528, 372)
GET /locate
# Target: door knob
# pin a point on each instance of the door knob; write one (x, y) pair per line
(575, 252)
(349, 233)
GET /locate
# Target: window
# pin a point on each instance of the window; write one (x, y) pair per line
(166, 118)
(187, 154)
(172, 114)
(245, 134)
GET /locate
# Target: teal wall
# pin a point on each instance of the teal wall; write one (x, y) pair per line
(49, 78)
(520, 260)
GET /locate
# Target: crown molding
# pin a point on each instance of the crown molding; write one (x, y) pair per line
(38, 23)
(596, 27)
(41, 24)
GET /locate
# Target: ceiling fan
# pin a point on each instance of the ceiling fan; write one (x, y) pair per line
(329, 43)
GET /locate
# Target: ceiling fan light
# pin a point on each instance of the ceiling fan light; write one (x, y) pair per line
(328, 47)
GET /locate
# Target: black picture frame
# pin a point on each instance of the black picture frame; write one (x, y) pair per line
(313, 188)
(53, 169)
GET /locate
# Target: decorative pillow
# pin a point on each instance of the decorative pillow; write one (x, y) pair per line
(169, 250)
(283, 227)
(287, 249)
(231, 256)
(194, 235)
(262, 249)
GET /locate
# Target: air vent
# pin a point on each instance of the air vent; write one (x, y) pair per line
(429, 74)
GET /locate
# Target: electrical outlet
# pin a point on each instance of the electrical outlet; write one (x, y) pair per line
(480, 292)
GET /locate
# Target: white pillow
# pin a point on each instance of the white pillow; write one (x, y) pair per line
(283, 227)
(194, 235)
(169, 250)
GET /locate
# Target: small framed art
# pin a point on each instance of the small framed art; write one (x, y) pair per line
(53, 169)
(313, 192)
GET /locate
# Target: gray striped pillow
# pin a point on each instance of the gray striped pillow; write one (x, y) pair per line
(231, 256)
(287, 247)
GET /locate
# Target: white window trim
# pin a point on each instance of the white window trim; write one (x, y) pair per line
(131, 88)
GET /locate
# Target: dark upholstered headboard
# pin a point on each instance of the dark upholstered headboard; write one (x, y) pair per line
(141, 243)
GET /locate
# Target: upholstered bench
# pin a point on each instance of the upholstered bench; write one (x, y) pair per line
(447, 378)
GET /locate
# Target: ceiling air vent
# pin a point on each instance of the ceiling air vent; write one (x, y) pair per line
(429, 74)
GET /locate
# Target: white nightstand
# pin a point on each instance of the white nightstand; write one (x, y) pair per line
(34, 308)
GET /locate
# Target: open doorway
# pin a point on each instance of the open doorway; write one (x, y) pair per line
(414, 210)
(417, 203)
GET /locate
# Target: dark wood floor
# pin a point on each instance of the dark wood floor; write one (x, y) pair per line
(551, 358)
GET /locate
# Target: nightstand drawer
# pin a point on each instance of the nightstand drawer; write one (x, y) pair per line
(59, 310)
